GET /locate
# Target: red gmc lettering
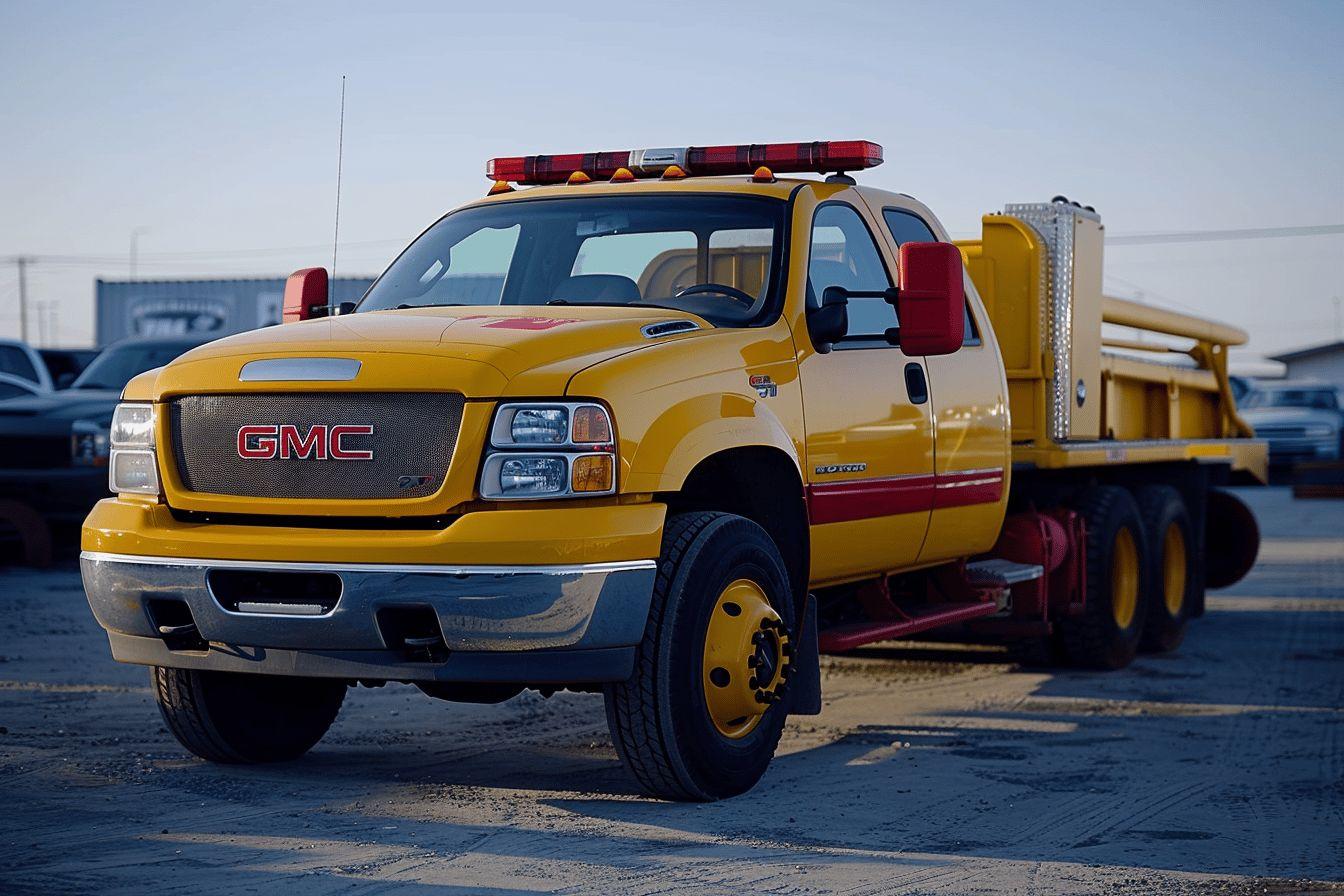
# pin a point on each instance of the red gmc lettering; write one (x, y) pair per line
(313, 443)
(340, 452)
(322, 442)
(256, 442)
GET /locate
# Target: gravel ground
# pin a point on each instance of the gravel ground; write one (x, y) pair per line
(933, 769)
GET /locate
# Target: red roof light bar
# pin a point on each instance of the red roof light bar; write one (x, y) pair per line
(820, 157)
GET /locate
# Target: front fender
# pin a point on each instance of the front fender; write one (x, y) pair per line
(693, 429)
(678, 402)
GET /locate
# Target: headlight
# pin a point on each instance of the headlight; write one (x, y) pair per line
(133, 426)
(133, 467)
(551, 450)
(88, 444)
(1318, 430)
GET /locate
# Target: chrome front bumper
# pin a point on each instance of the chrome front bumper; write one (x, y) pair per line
(530, 624)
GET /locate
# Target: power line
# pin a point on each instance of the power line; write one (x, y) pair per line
(1209, 236)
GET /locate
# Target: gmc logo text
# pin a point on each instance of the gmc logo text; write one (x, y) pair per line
(267, 441)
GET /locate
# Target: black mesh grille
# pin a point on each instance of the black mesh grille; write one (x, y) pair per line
(414, 435)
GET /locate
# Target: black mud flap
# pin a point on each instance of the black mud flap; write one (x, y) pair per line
(805, 676)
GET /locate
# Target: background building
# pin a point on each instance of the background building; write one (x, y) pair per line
(125, 308)
(1318, 362)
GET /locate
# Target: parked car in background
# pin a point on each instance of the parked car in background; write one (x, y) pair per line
(18, 358)
(17, 387)
(1301, 420)
(66, 364)
(54, 444)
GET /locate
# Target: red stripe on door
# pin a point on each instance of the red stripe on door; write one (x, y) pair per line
(966, 488)
(841, 502)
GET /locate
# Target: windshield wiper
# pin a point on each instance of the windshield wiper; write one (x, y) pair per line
(404, 305)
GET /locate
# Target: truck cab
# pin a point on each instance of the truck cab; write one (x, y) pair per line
(664, 424)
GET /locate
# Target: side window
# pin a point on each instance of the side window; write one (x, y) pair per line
(907, 227)
(14, 361)
(843, 254)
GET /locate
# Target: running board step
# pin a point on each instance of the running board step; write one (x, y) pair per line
(1003, 573)
(847, 637)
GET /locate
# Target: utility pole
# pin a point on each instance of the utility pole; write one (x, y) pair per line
(23, 263)
(135, 245)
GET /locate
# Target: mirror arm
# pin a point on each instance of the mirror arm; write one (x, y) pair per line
(893, 335)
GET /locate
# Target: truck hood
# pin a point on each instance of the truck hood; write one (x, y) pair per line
(483, 352)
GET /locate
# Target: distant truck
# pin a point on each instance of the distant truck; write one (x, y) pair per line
(708, 423)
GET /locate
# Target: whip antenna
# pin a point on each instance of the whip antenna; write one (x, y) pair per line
(336, 236)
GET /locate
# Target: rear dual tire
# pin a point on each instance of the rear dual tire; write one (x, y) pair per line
(1173, 573)
(1106, 635)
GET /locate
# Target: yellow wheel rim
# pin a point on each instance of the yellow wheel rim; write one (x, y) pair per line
(1124, 578)
(746, 659)
(1173, 569)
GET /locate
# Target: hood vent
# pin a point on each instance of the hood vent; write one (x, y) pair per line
(668, 328)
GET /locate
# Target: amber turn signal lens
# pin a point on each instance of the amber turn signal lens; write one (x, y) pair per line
(763, 175)
(500, 186)
(592, 473)
(578, 177)
(591, 426)
(622, 175)
(674, 172)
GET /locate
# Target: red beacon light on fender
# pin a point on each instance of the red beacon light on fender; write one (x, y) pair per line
(820, 157)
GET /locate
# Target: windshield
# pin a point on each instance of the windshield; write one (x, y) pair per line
(1321, 399)
(114, 368)
(710, 255)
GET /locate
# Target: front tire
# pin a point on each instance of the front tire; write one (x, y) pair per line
(702, 714)
(235, 718)
(1107, 634)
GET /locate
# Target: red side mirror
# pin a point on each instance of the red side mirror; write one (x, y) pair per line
(932, 299)
(305, 292)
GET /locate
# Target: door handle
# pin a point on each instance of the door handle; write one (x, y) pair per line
(916, 386)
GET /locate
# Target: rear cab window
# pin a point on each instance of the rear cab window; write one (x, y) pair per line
(908, 227)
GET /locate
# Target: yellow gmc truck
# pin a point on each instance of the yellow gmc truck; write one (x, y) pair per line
(667, 425)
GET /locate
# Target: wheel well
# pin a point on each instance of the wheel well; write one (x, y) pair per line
(761, 484)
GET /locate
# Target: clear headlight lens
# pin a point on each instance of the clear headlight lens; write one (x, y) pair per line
(135, 471)
(133, 426)
(539, 426)
(580, 456)
(133, 465)
(532, 476)
(1318, 430)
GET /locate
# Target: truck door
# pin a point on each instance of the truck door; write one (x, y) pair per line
(967, 395)
(866, 410)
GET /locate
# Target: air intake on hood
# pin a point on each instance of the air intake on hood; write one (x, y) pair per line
(668, 328)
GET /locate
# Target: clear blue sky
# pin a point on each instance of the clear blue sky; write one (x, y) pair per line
(214, 126)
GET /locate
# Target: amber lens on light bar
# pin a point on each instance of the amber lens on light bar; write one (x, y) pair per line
(592, 473)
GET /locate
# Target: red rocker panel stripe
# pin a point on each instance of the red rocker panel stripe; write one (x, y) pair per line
(841, 502)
